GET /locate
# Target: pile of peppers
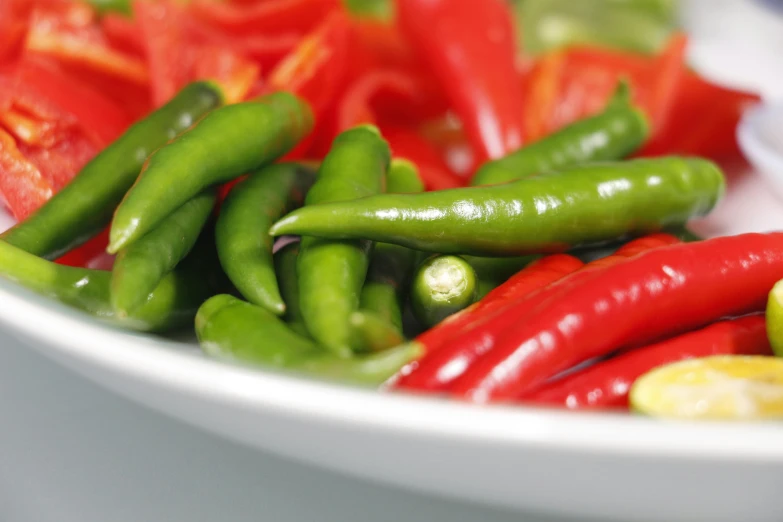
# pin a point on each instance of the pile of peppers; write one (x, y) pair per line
(398, 196)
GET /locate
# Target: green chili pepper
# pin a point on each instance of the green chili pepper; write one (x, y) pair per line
(226, 143)
(172, 305)
(112, 6)
(285, 269)
(228, 328)
(589, 204)
(391, 265)
(331, 273)
(375, 333)
(242, 233)
(84, 206)
(139, 268)
(442, 286)
(613, 134)
(493, 271)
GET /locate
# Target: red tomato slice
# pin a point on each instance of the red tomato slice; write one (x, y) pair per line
(22, 186)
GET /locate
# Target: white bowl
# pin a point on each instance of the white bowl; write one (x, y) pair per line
(760, 135)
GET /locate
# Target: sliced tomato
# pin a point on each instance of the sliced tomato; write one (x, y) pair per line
(409, 144)
(265, 17)
(22, 185)
(316, 69)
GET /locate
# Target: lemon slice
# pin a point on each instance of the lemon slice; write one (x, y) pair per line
(775, 318)
(723, 387)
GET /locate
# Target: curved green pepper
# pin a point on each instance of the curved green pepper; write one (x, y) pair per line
(242, 232)
(172, 305)
(112, 6)
(84, 206)
(228, 328)
(287, 282)
(374, 332)
(139, 268)
(611, 135)
(331, 273)
(225, 144)
(391, 266)
(586, 205)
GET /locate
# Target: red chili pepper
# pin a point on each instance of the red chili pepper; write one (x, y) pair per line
(427, 372)
(90, 254)
(572, 84)
(390, 95)
(703, 122)
(22, 186)
(317, 68)
(123, 34)
(606, 384)
(13, 26)
(268, 16)
(438, 371)
(663, 291)
(100, 118)
(471, 48)
(69, 33)
(407, 143)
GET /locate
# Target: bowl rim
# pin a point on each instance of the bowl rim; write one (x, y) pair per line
(767, 159)
(164, 363)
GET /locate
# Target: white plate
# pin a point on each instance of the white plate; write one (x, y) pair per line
(613, 467)
(602, 466)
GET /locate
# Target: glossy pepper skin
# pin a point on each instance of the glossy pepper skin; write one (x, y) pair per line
(228, 328)
(476, 68)
(391, 266)
(442, 286)
(478, 333)
(606, 384)
(242, 231)
(681, 286)
(331, 272)
(287, 282)
(436, 369)
(581, 206)
(223, 145)
(610, 135)
(139, 268)
(171, 306)
(84, 206)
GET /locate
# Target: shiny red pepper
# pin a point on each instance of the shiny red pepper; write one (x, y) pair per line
(606, 384)
(660, 292)
(425, 374)
(470, 47)
(440, 370)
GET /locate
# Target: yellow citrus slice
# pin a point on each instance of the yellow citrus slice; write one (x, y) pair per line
(775, 318)
(723, 387)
